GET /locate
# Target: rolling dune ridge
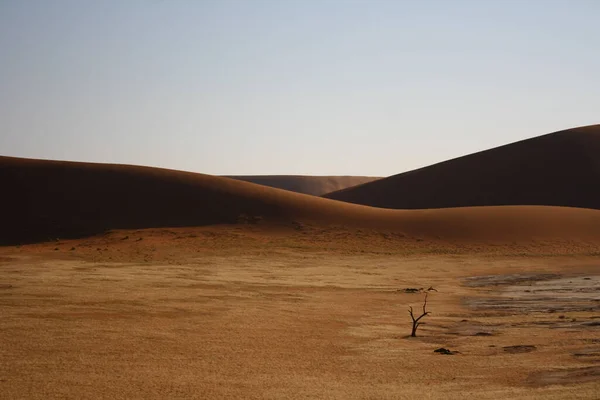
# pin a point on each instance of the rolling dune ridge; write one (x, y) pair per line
(558, 169)
(50, 199)
(315, 185)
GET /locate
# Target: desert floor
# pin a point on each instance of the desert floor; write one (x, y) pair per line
(235, 313)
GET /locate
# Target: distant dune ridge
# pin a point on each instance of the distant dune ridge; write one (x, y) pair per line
(43, 200)
(558, 169)
(314, 185)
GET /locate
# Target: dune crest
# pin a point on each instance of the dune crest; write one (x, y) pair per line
(314, 185)
(558, 169)
(49, 199)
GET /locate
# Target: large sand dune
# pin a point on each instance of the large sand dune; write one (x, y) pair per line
(314, 185)
(48, 199)
(558, 169)
(295, 306)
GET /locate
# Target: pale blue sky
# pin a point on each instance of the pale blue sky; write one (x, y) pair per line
(291, 86)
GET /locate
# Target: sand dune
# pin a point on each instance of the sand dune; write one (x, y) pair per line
(558, 169)
(314, 185)
(48, 199)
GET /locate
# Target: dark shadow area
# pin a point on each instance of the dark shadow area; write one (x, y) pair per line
(45, 200)
(558, 169)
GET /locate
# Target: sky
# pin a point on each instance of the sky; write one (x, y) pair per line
(316, 87)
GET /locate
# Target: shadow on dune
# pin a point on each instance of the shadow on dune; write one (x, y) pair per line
(558, 169)
(313, 185)
(44, 200)
(48, 199)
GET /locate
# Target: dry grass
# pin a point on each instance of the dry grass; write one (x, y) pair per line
(236, 314)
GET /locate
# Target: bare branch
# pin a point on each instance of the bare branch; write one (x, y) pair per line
(416, 322)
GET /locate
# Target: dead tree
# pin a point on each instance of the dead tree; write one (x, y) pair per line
(415, 321)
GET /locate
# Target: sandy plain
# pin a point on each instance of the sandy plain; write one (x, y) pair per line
(300, 313)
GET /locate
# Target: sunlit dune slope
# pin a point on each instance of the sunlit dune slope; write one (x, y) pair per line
(48, 199)
(314, 185)
(558, 169)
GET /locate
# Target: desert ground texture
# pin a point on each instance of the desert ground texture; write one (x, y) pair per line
(294, 312)
(132, 282)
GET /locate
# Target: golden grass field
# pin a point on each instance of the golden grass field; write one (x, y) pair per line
(301, 312)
